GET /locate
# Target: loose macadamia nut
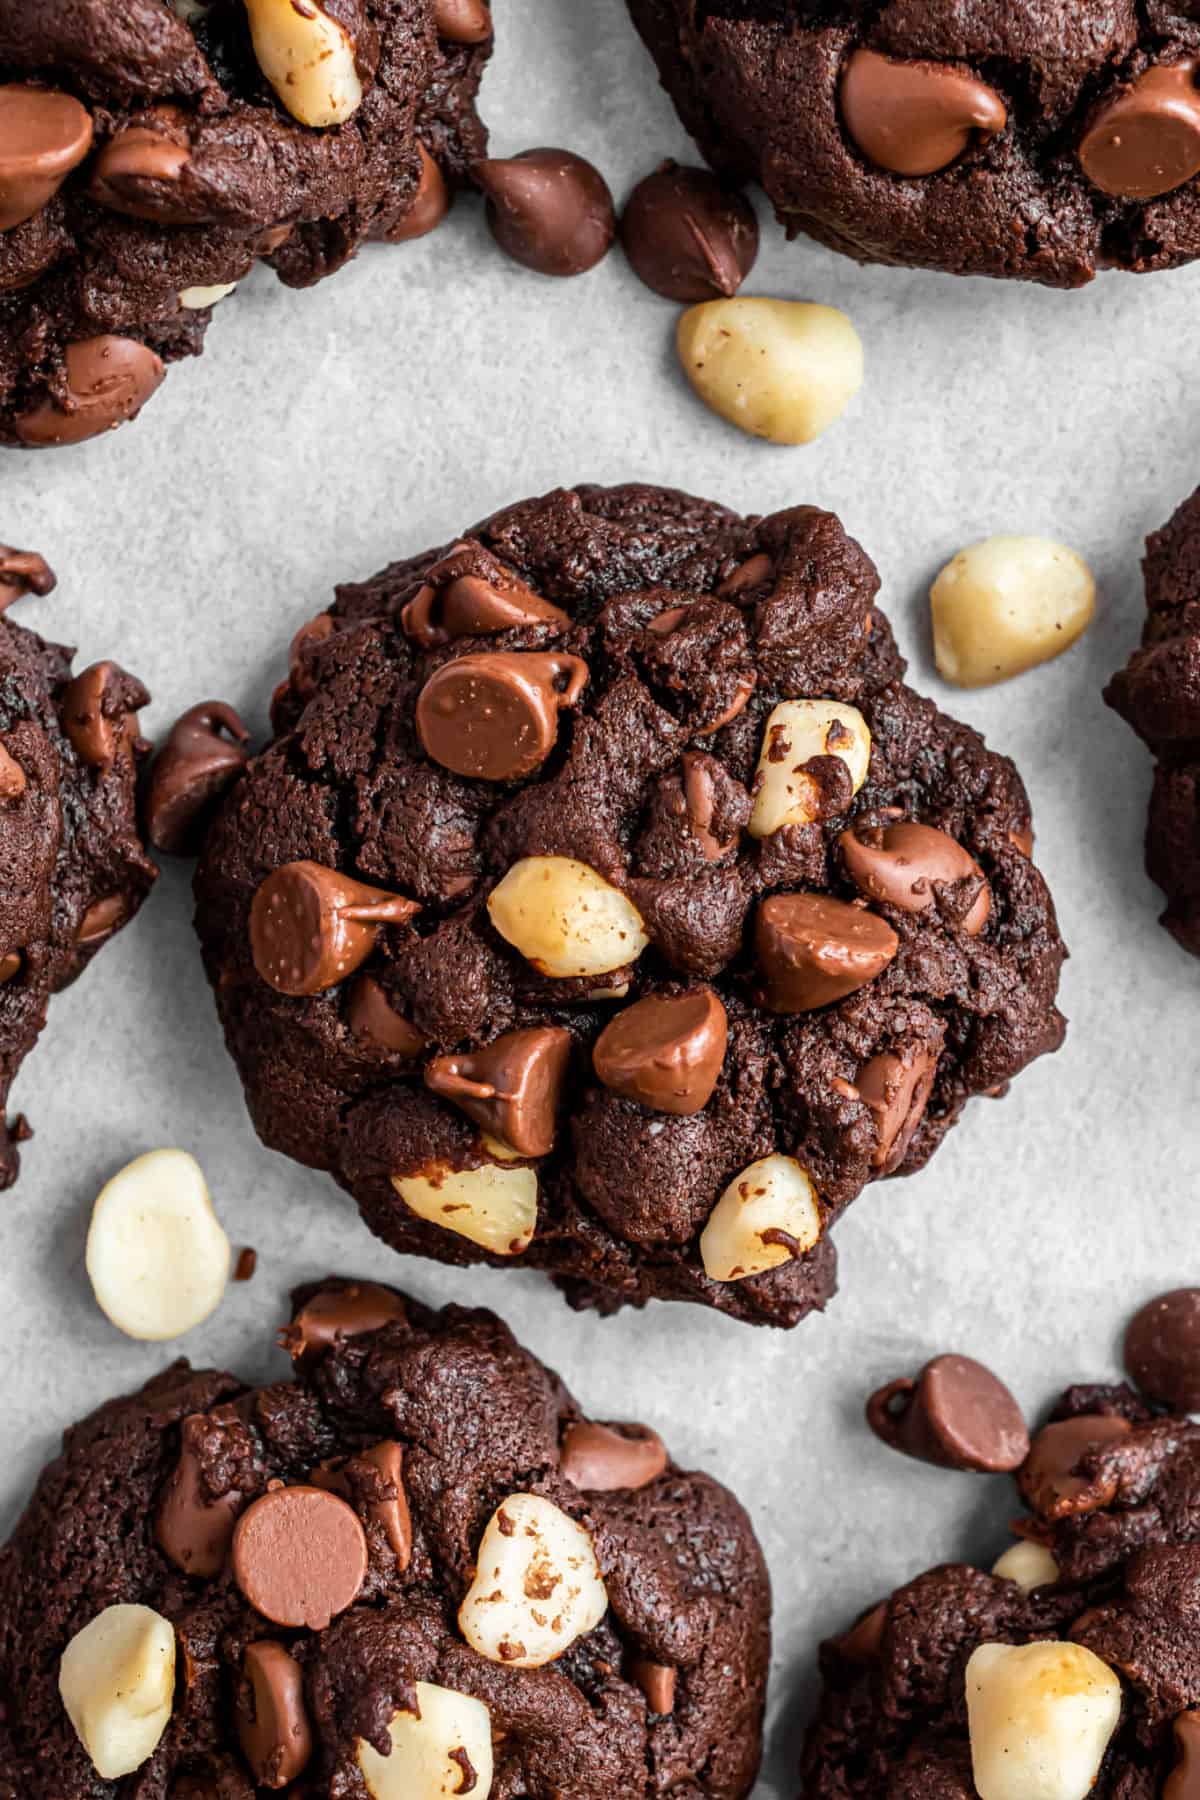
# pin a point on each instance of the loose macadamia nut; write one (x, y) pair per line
(785, 792)
(537, 1585)
(767, 1214)
(308, 59)
(780, 369)
(494, 1207)
(565, 919)
(1040, 1717)
(1007, 604)
(433, 1751)
(195, 299)
(117, 1682)
(1029, 1565)
(157, 1257)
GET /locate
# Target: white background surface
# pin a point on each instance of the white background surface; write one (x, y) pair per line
(327, 432)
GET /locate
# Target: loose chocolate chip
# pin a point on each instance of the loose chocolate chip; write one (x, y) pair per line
(494, 717)
(23, 572)
(193, 1532)
(687, 235)
(311, 926)
(1048, 1480)
(1146, 142)
(372, 1016)
(428, 207)
(549, 210)
(657, 1681)
(336, 1314)
(901, 865)
(109, 380)
(469, 593)
(600, 1460)
(1183, 1783)
(189, 775)
(956, 1414)
(896, 1086)
(382, 1467)
(138, 170)
(272, 1723)
(665, 1051)
(1162, 1349)
(462, 21)
(511, 1087)
(44, 134)
(12, 776)
(246, 1264)
(813, 950)
(94, 717)
(915, 118)
(299, 1556)
(101, 919)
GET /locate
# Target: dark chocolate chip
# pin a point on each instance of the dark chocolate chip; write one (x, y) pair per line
(1162, 1349)
(549, 210)
(687, 235)
(204, 753)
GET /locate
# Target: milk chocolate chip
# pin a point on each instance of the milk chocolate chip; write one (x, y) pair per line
(378, 1471)
(600, 1460)
(495, 717)
(687, 235)
(665, 1051)
(511, 1087)
(462, 21)
(311, 926)
(1048, 1480)
(657, 1682)
(12, 776)
(1146, 142)
(206, 749)
(1162, 1349)
(896, 1086)
(23, 572)
(813, 950)
(1183, 1783)
(44, 134)
(372, 1016)
(272, 1723)
(429, 205)
(95, 717)
(109, 380)
(902, 864)
(101, 920)
(470, 593)
(955, 1414)
(699, 777)
(915, 118)
(336, 1314)
(194, 1532)
(299, 1556)
(549, 210)
(137, 172)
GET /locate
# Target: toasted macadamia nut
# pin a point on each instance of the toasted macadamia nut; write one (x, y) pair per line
(432, 1752)
(1029, 1565)
(1007, 604)
(308, 59)
(565, 919)
(1040, 1717)
(779, 369)
(194, 299)
(537, 1585)
(117, 1682)
(157, 1257)
(496, 1208)
(766, 1215)
(784, 793)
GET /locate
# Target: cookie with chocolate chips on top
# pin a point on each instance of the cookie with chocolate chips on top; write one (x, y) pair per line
(607, 904)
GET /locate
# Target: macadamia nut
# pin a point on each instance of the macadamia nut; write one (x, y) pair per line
(194, 299)
(537, 1585)
(784, 793)
(308, 59)
(117, 1682)
(495, 1207)
(1007, 604)
(766, 1215)
(1029, 1565)
(428, 1750)
(1040, 1717)
(565, 919)
(779, 369)
(157, 1257)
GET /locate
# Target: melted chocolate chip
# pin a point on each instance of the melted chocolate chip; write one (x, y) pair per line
(813, 950)
(108, 381)
(511, 1087)
(311, 926)
(901, 865)
(335, 1314)
(916, 118)
(44, 134)
(665, 1051)
(272, 1722)
(204, 753)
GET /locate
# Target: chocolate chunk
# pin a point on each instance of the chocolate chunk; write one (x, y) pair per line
(665, 1051)
(311, 926)
(44, 134)
(1162, 1349)
(190, 773)
(23, 572)
(900, 865)
(372, 1016)
(600, 1459)
(378, 1469)
(1048, 1480)
(813, 950)
(195, 1533)
(469, 593)
(1146, 142)
(956, 1414)
(337, 1314)
(109, 380)
(426, 210)
(896, 1085)
(495, 717)
(462, 21)
(687, 235)
(915, 118)
(138, 170)
(12, 776)
(272, 1723)
(1183, 1783)
(95, 717)
(657, 1681)
(549, 210)
(101, 919)
(511, 1087)
(299, 1556)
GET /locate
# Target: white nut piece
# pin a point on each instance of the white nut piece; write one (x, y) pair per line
(1040, 1717)
(432, 1753)
(495, 1207)
(308, 59)
(565, 919)
(1029, 1565)
(117, 1682)
(157, 1257)
(797, 731)
(194, 299)
(1004, 605)
(537, 1585)
(771, 1196)
(779, 369)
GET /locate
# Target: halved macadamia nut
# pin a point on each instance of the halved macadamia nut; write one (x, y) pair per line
(117, 1683)
(1040, 1717)
(157, 1258)
(785, 792)
(494, 1207)
(308, 58)
(566, 919)
(444, 1749)
(767, 1215)
(1004, 605)
(537, 1585)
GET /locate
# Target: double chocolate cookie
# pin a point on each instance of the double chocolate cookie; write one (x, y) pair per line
(150, 153)
(606, 902)
(415, 1570)
(1041, 141)
(1158, 693)
(72, 867)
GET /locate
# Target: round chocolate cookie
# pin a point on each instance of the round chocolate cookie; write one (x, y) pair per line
(606, 903)
(150, 153)
(1042, 141)
(415, 1570)
(72, 867)
(1157, 693)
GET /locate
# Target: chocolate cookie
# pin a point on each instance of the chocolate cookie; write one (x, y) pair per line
(420, 1544)
(559, 930)
(151, 153)
(1041, 141)
(72, 867)
(1156, 693)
